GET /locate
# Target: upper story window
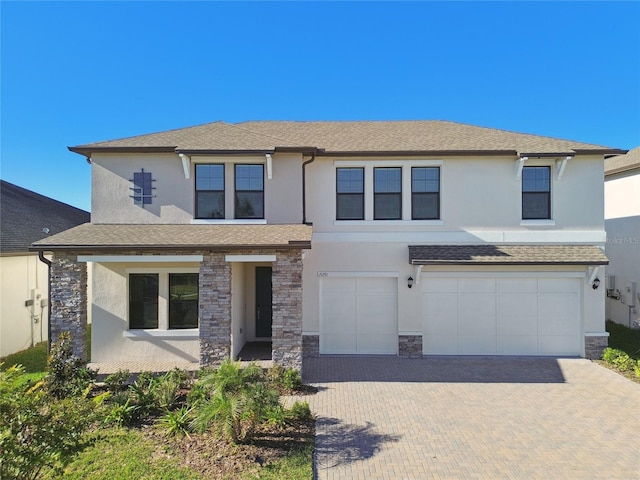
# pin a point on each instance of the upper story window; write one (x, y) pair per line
(249, 191)
(536, 193)
(209, 191)
(142, 188)
(425, 193)
(145, 289)
(387, 193)
(350, 193)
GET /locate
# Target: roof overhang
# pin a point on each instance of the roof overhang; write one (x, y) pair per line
(176, 237)
(488, 254)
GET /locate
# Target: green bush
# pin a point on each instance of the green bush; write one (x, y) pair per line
(177, 422)
(116, 382)
(36, 430)
(301, 411)
(67, 375)
(292, 379)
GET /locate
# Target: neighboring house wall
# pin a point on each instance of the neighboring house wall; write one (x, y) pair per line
(174, 195)
(622, 213)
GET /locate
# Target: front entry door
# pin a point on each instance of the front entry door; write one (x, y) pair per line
(263, 302)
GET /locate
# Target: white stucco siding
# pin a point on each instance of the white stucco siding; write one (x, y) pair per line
(174, 195)
(477, 194)
(110, 342)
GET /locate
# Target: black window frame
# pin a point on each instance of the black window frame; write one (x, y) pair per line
(386, 194)
(340, 195)
(252, 191)
(135, 321)
(415, 195)
(142, 188)
(173, 323)
(531, 194)
(197, 191)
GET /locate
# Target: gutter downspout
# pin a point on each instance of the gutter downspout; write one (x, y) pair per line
(304, 188)
(48, 262)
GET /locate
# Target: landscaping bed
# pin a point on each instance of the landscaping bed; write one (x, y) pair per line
(623, 353)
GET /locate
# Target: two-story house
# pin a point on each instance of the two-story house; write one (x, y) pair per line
(402, 238)
(622, 223)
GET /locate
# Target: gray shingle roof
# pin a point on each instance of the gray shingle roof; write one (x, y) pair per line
(24, 214)
(622, 163)
(506, 255)
(104, 237)
(344, 137)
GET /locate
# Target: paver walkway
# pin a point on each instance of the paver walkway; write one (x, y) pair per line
(473, 418)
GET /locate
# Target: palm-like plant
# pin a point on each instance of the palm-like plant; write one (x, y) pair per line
(224, 411)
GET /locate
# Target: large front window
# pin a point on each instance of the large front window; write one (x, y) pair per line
(387, 193)
(350, 193)
(425, 193)
(536, 193)
(249, 191)
(209, 191)
(163, 300)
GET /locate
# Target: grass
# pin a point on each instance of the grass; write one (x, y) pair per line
(122, 454)
(296, 466)
(624, 338)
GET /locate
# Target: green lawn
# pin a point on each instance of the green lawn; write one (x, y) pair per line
(624, 338)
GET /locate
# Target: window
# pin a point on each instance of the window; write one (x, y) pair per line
(148, 295)
(387, 193)
(425, 193)
(249, 191)
(183, 300)
(209, 191)
(142, 182)
(536, 193)
(143, 300)
(350, 193)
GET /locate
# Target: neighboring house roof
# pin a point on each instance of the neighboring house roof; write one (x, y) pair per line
(26, 217)
(433, 136)
(506, 254)
(622, 163)
(175, 236)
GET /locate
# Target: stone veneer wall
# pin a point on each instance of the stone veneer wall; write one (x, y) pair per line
(410, 346)
(593, 346)
(215, 309)
(310, 346)
(287, 308)
(68, 293)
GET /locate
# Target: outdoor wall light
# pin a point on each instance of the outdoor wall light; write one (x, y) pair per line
(596, 283)
(410, 281)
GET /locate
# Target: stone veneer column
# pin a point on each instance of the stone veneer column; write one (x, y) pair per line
(594, 345)
(287, 309)
(68, 294)
(215, 309)
(410, 346)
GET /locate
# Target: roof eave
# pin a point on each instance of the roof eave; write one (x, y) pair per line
(87, 151)
(432, 153)
(292, 245)
(472, 262)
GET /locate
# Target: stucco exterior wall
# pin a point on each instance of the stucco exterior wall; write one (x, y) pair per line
(22, 327)
(174, 195)
(622, 213)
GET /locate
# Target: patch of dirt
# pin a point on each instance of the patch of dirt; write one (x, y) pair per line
(218, 459)
(625, 373)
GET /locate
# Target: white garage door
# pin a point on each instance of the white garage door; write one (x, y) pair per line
(501, 316)
(358, 315)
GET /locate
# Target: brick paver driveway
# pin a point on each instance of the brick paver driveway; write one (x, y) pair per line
(473, 418)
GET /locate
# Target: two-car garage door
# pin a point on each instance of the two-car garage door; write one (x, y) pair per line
(493, 315)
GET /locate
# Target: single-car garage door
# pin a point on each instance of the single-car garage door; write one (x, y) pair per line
(358, 315)
(494, 315)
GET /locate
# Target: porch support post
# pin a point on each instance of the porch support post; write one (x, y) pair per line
(68, 293)
(215, 309)
(287, 309)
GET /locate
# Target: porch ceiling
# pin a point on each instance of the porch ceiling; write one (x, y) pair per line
(171, 237)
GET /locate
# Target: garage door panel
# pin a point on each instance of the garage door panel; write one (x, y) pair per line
(519, 285)
(440, 344)
(338, 343)
(377, 315)
(339, 313)
(557, 314)
(477, 344)
(519, 314)
(377, 344)
(558, 285)
(441, 316)
(477, 285)
(477, 314)
(439, 285)
(559, 345)
(518, 345)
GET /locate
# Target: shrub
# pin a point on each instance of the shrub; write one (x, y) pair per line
(300, 411)
(292, 379)
(116, 381)
(610, 354)
(37, 431)
(67, 375)
(177, 422)
(165, 390)
(122, 414)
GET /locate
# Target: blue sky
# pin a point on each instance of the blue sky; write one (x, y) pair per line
(79, 72)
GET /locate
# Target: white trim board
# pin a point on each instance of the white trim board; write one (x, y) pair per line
(249, 258)
(141, 258)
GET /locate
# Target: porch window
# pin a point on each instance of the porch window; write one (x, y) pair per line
(536, 193)
(249, 191)
(183, 300)
(209, 191)
(387, 193)
(350, 193)
(425, 193)
(143, 300)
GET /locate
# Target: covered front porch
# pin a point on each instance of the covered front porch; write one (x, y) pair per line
(245, 295)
